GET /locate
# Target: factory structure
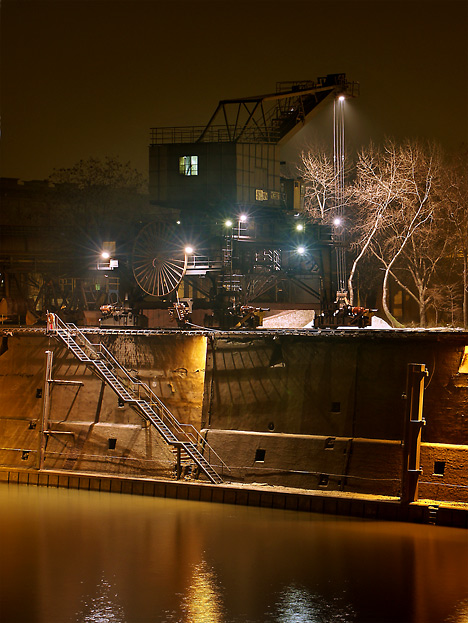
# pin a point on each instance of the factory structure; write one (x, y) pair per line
(132, 344)
(223, 228)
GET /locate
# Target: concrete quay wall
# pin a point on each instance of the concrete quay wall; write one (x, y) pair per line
(281, 498)
(327, 411)
(88, 429)
(319, 411)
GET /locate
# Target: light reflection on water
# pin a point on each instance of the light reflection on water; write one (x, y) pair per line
(298, 605)
(85, 557)
(203, 602)
(101, 607)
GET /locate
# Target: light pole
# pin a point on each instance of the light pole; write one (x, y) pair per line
(339, 173)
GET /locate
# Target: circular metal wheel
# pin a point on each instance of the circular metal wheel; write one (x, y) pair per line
(159, 260)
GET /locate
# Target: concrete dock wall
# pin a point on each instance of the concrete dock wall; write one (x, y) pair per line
(335, 385)
(350, 505)
(88, 429)
(315, 411)
(327, 411)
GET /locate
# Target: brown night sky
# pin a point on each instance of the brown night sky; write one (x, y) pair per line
(90, 77)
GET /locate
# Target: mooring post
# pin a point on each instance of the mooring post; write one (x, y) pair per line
(45, 408)
(416, 374)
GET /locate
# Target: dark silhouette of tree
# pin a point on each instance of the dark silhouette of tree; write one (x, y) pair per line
(456, 202)
(100, 197)
(95, 173)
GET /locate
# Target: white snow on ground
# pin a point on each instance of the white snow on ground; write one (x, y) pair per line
(290, 319)
(304, 319)
(379, 323)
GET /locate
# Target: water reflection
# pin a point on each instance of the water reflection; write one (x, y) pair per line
(461, 613)
(89, 557)
(101, 607)
(297, 605)
(203, 603)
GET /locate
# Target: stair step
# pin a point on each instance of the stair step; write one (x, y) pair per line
(189, 450)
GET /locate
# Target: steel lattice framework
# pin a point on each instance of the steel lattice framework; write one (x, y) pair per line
(271, 118)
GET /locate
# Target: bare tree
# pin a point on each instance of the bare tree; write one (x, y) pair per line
(376, 188)
(396, 197)
(445, 300)
(416, 273)
(319, 177)
(96, 173)
(456, 195)
(95, 193)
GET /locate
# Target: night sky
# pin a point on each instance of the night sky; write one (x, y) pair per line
(90, 77)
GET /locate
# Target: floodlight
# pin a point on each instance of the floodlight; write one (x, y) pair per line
(301, 250)
(243, 218)
(300, 227)
(188, 250)
(337, 221)
(105, 255)
(228, 223)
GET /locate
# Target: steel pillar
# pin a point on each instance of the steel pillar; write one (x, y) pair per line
(45, 409)
(416, 374)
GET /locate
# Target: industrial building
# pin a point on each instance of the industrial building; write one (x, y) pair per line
(223, 227)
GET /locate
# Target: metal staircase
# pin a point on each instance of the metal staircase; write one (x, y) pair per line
(183, 437)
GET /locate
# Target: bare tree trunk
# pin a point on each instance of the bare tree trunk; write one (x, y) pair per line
(422, 302)
(355, 263)
(350, 279)
(393, 321)
(422, 314)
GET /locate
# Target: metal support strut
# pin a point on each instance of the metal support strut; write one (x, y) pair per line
(45, 409)
(416, 374)
(138, 395)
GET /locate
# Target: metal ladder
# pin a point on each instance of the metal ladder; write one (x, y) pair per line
(138, 395)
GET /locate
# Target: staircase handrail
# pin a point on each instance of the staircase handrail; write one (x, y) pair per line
(194, 436)
(154, 400)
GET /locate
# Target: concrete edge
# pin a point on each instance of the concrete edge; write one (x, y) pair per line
(348, 505)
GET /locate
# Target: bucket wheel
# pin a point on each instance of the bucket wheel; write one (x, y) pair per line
(159, 259)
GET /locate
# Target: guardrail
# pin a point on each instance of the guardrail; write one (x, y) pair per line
(138, 389)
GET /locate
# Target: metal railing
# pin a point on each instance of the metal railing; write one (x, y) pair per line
(140, 391)
(212, 134)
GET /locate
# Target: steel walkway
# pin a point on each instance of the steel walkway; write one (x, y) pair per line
(183, 437)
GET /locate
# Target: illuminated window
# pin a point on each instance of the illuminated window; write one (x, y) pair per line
(188, 165)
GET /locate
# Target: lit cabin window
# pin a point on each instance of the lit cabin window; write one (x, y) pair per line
(188, 165)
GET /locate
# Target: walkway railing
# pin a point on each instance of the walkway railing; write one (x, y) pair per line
(184, 437)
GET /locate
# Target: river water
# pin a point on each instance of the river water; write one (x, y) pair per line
(71, 556)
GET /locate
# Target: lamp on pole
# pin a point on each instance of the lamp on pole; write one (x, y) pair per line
(339, 174)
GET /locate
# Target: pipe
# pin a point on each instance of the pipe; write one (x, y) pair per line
(45, 409)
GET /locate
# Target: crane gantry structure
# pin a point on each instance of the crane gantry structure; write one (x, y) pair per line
(270, 118)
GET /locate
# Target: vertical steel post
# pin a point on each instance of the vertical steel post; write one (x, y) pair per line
(179, 466)
(416, 374)
(45, 408)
